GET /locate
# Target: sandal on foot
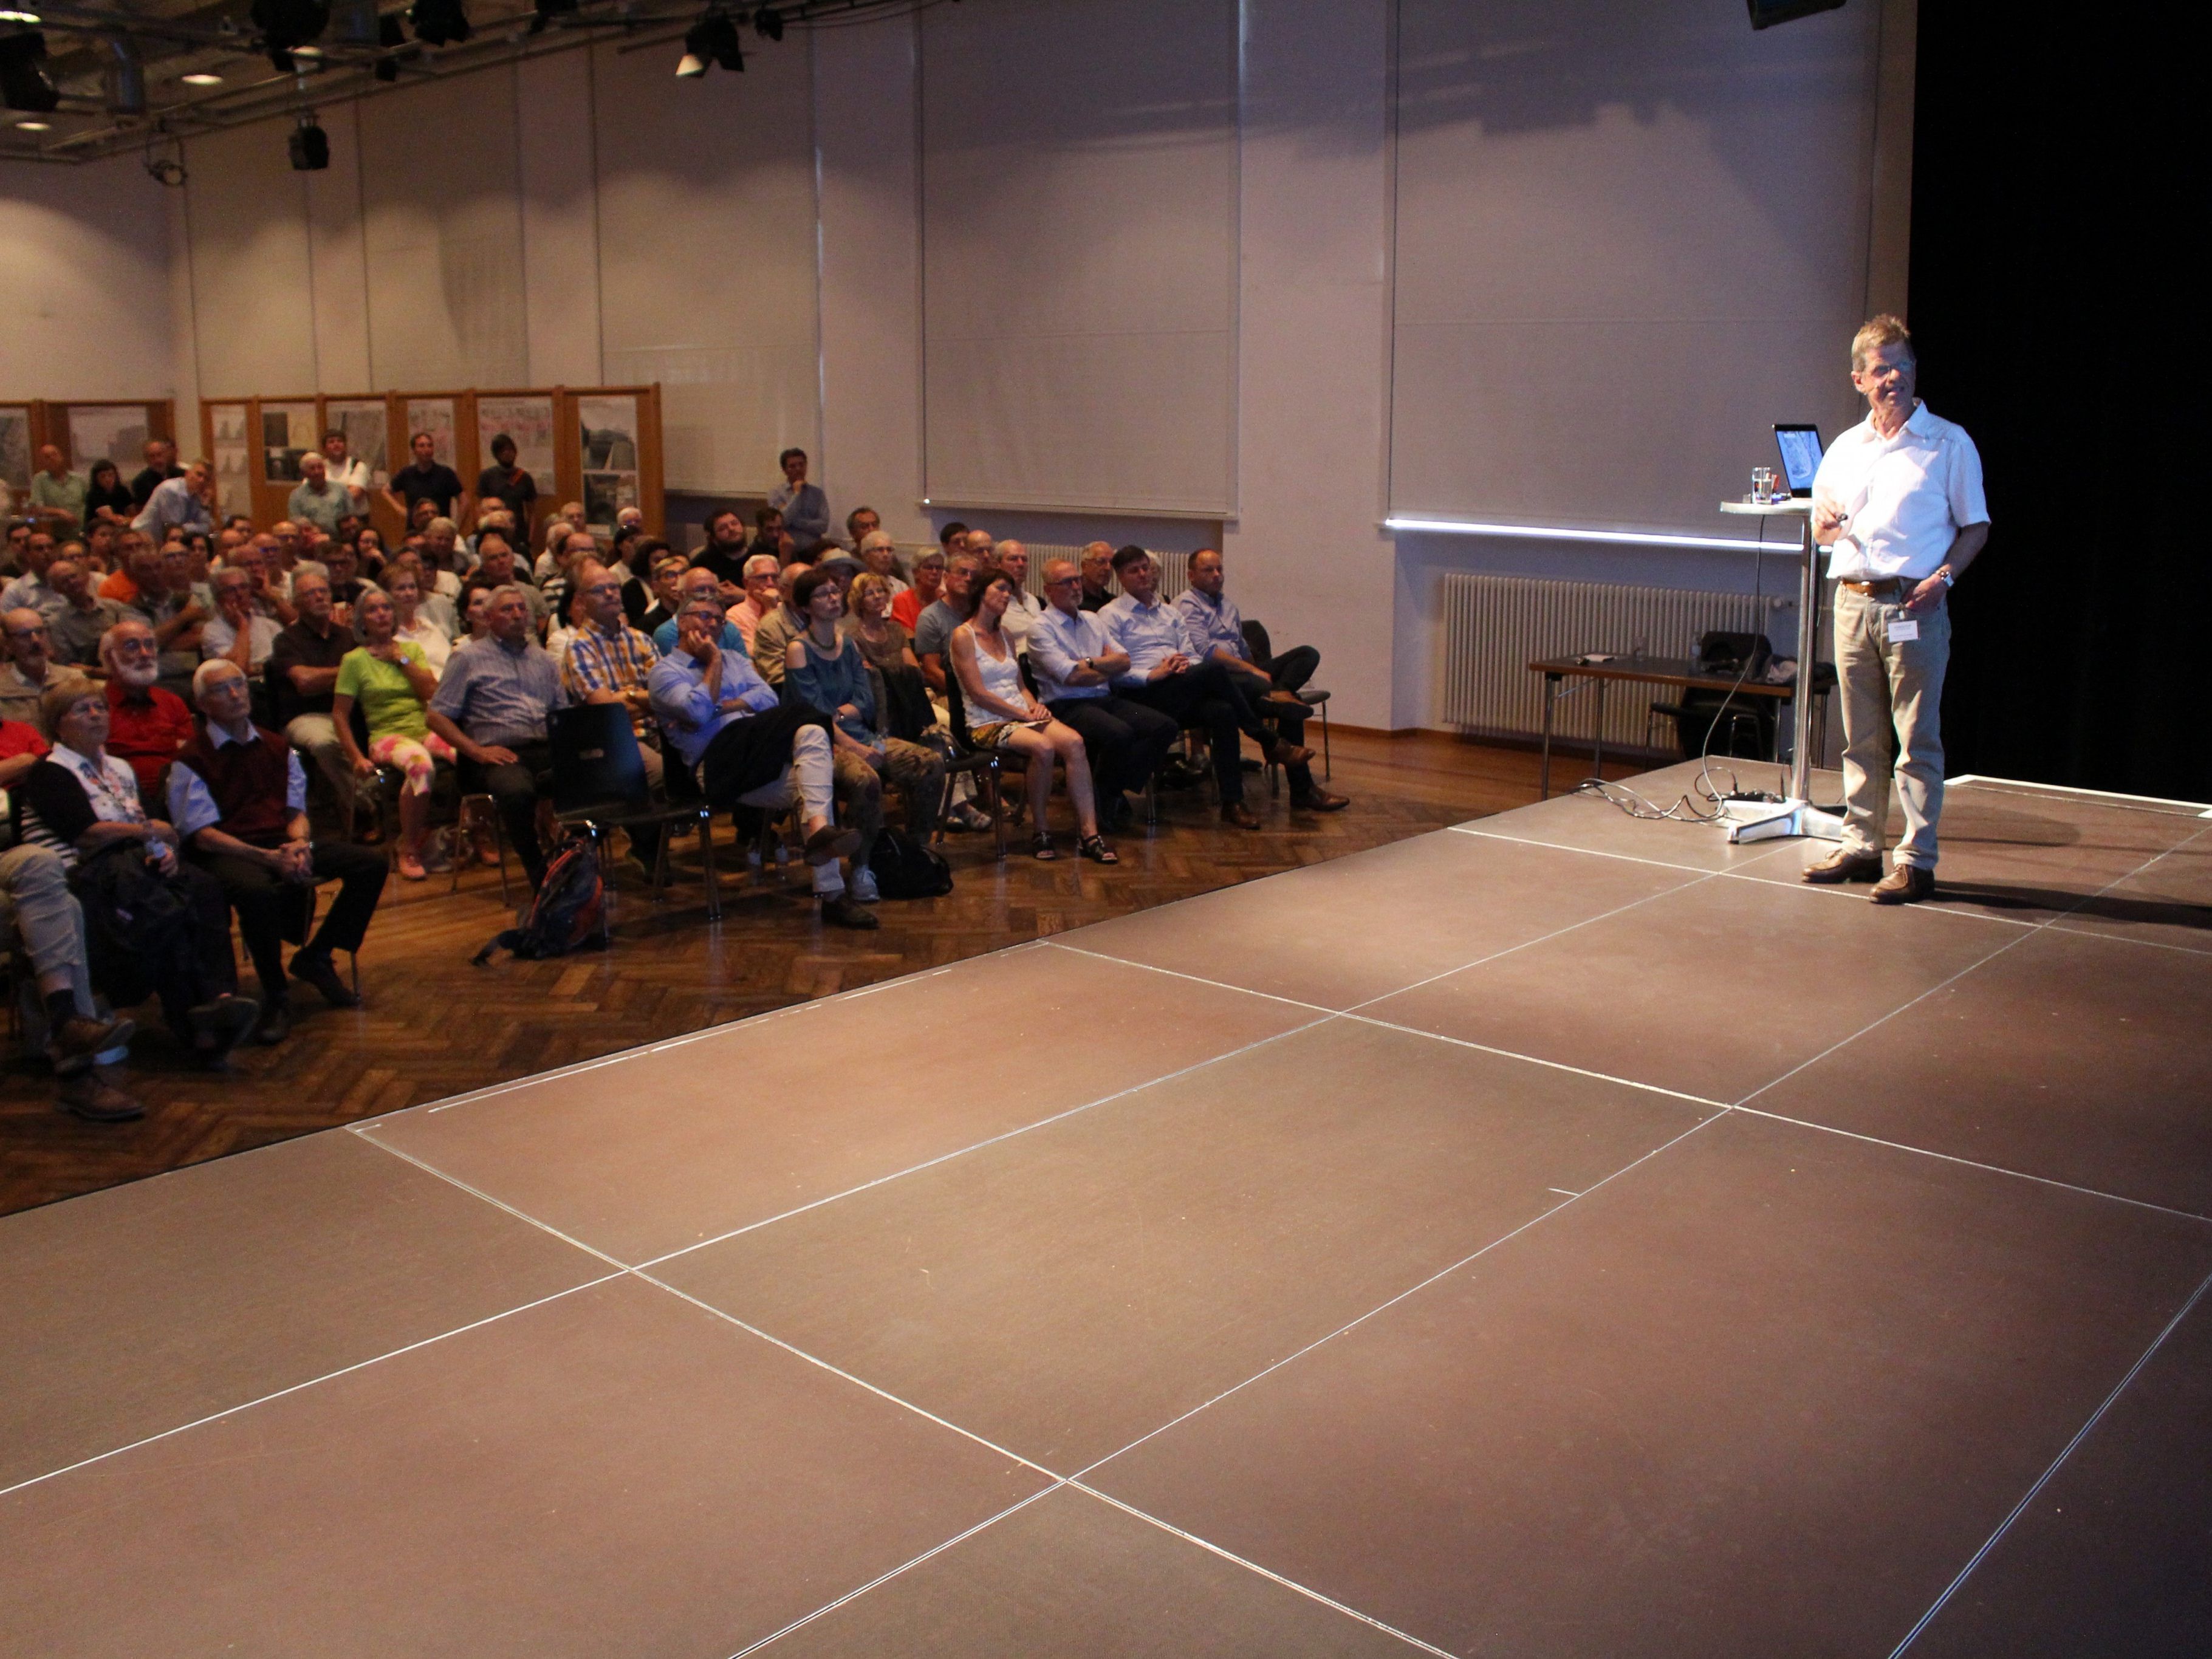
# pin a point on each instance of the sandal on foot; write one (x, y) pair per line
(410, 868)
(1041, 847)
(1095, 848)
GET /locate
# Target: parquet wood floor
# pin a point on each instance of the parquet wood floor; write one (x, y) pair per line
(433, 1025)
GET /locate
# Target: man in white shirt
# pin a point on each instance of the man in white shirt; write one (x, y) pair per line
(1023, 610)
(1898, 502)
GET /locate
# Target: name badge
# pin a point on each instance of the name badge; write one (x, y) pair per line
(1902, 628)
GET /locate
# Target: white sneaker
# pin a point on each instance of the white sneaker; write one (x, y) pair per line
(862, 885)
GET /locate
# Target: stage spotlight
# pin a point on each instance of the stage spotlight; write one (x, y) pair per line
(549, 9)
(310, 146)
(712, 39)
(769, 23)
(1764, 14)
(289, 23)
(438, 22)
(23, 84)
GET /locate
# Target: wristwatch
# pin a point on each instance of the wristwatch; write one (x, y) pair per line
(1944, 571)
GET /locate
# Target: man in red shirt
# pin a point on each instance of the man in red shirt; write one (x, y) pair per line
(146, 725)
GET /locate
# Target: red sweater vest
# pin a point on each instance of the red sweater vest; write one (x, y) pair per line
(249, 782)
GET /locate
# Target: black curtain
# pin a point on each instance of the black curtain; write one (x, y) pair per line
(2052, 299)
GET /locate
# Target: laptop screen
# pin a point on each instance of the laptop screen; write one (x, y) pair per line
(1801, 456)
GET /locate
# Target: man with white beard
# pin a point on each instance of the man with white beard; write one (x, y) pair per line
(147, 725)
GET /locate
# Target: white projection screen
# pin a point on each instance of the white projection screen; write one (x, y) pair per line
(1631, 235)
(1080, 254)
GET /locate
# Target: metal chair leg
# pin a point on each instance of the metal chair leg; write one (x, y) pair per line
(706, 860)
(1327, 762)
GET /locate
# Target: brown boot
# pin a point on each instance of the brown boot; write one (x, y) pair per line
(1845, 864)
(1908, 884)
(1237, 816)
(1281, 753)
(1318, 799)
(76, 1040)
(91, 1096)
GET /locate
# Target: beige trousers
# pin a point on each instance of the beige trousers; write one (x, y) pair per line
(1892, 708)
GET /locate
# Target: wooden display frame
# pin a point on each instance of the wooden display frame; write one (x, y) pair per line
(49, 423)
(270, 500)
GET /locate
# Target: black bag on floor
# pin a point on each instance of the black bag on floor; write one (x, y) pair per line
(564, 913)
(906, 869)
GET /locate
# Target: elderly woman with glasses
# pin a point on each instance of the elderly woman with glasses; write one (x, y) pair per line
(393, 683)
(154, 924)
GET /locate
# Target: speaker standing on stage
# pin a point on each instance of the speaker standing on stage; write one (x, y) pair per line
(1898, 502)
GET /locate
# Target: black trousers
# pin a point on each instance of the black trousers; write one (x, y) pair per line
(748, 754)
(199, 967)
(1292, 669)
(271, 909)
(514, 791)
(1126, 739)
(1210, 697)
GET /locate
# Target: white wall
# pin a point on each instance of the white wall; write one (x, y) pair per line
(756, 243)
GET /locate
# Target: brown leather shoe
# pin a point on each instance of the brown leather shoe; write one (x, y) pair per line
(1908, 884)
(1237, 816)
(1318, 799)
(91, 1096)
(1843, 864)
(1288, 754)
(76, 1040)
(830, 842)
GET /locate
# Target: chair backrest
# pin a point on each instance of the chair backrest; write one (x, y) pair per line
(596, 760)
(1255, 641)
(956, 707)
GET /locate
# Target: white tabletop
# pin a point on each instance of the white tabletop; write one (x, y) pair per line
(1795, 507)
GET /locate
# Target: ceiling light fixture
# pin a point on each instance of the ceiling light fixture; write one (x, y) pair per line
(20, 17)
(34, 126)
(438, 22)
(713, 40)
(23, 84)
(201, 78)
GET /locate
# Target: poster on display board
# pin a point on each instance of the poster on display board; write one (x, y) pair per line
(234, 459)
(435, 416)
(288, 432)
(16, 445)
(609, 432)
(529, 421)
(365, 422)
(107, 432)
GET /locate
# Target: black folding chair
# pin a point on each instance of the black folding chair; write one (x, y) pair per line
(985, 763)
(599, 784)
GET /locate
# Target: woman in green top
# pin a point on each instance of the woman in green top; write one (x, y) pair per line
(391, 681)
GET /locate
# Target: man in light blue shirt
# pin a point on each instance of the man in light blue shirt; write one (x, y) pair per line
(748, 748)
(1167, 672)
(1215, 627)
(1075, 663)
(179, 504)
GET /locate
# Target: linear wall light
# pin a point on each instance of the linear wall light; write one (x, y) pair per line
(1552, 534)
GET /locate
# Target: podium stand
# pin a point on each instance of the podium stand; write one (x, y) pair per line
(1796, 816)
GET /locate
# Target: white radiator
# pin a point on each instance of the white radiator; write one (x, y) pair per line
(1496, 626)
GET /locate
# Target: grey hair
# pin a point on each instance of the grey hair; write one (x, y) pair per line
(210, 670)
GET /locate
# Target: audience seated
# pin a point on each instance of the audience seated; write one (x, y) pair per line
(763, 596)
(179, 608)
(148, 725)
(724, 553)
(610, 661)
(492, 708)
(304, 671)
(1216, 628)
(664, 591)
(30, 671)
(495, 568)
(391, 681)
(154, 924)
(1097, 575)
(160, 458)
(748, 747)
(107, 497)
(42, 921)
(888, 648)
(1023, 610)
(805, 509)
(933, 630)
(878, 555)
(1002, 714)
(239, 632)
(412, 623)
(928, 587)
(861, 523)
(78, 628)
(774, 633)
(1168, 672)
(57, 493)
(30, 590)
(1075, 664)
(239, 799)
(697, 583)
(826, 670)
